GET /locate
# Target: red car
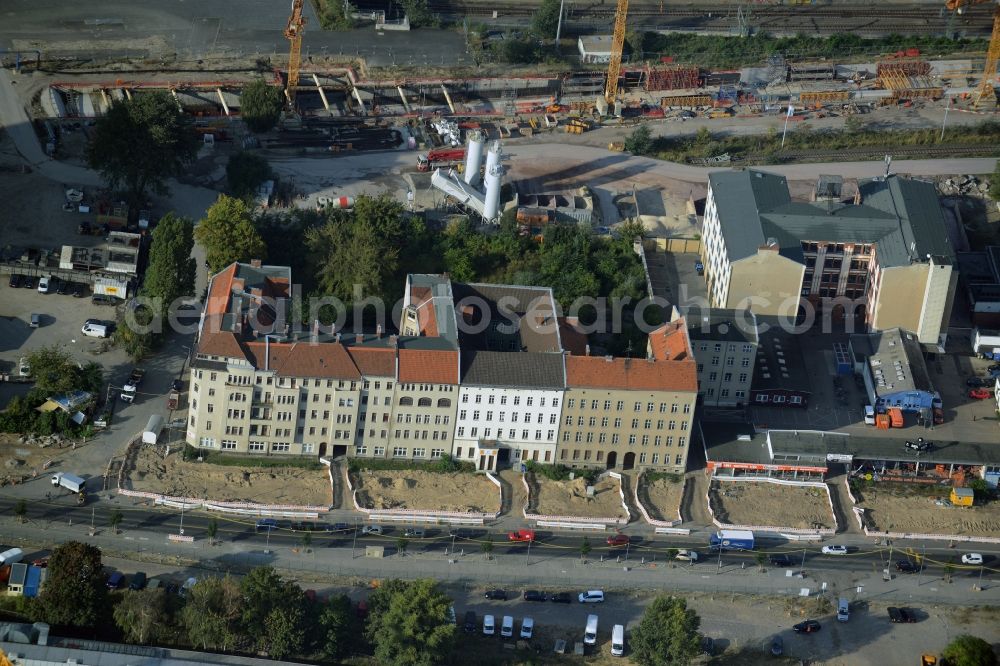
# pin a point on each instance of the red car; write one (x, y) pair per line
(979, 394)
(521, 536)
(618, 540)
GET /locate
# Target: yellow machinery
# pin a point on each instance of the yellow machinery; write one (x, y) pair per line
(985, 89)
(293, 31)
(617, 45)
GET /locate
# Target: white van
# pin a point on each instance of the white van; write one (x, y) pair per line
(12, 556)
(527, 627)
(507, 627)
(618, 640)
(869, 415)
(590, 633)
(94, 329)
(489, 625)
(843, 609)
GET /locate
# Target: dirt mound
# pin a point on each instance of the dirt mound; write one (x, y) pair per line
(772, 504)
(569, 498)
(662, 498)
(925, 514)
(429, 491)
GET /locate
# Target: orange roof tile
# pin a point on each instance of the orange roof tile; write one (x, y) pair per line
(573, 339)
(222, 287)
(303, 359)
(220, 343)
(670, 342)
(374, 361)
(431, 366)
(428, 320)
(631, 374)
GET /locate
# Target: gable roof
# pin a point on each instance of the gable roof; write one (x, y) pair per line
(670, 342)
(529, 369)
(426, 365)
(374, 361)
(529, 313)
(631, 374)
(303, 359)
(900, 216)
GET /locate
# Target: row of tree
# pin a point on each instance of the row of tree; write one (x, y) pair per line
(55, 373)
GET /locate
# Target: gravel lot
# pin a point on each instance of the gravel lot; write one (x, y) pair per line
(569, 498)
(892, 510)
(430, 491)
(762, 503)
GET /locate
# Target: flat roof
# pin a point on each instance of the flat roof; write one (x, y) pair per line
(895, 360)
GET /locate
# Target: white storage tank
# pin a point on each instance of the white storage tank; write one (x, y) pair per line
(474, 157)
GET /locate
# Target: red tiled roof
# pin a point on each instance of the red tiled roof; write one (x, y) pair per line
(374, 361)
(670, 342)
(431, 366)
(220, 343)
(427, 319)
(222, 287)
(303, 359)
(573, 339)
(632, 374)
(420, 295)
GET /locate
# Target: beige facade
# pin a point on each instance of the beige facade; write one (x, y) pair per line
(767, 283)
(899, 292)
(618, 429)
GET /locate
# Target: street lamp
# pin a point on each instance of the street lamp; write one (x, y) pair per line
(181, 531)
(527, 558)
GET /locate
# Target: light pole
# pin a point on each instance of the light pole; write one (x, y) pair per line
(267, 543)
(354, 543)
(527, 557)
(803, 566)
(981, 567)
(720, 560)
(181, 530)
(627, 544)
(923, 553)
(453, 543)
(945, 121)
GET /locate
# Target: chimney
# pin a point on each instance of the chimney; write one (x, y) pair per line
(394, 341)
(609, 358)
(359, 338)
(338, 338)
(587, 350)
(255, 263)
(378, 331)
(315, 329)
(857, 197)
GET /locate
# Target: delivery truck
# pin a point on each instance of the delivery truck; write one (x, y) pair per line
(70, 482)
(731, 540)
(153, 429)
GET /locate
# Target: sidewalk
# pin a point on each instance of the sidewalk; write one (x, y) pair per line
(510, 570)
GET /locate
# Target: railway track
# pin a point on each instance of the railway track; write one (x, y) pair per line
(877, 153)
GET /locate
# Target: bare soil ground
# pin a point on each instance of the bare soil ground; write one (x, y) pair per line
(266, 485)
(662, 498)
(569, 498)
(898, 511)
(430, 491)
(20, 461)
(762, 503)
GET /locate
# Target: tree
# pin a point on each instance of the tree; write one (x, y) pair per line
(585, 548)
(968, 650)
(335, 16)
(335, 627)
(260, 105)
(995, 183)
(212, 530)
(140, 143)
(306, 540)
(54, 370)
(228, 234)
(115, 520)
(142, 615)
(74, 592)
(488, 547)
(667, 634)
(136, 340)
(419, 14)
(545, 20)
(640, 141)
(274, 613)
(245, 172)
(20, 510)
(212, 612)
(171, 270)
(761, 558)
(414, 628)
(401, 544)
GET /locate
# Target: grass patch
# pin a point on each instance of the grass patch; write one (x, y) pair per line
(446, 465)
(653, 477)
(767, 147)
(192, 454)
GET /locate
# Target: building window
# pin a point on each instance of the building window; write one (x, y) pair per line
(673, 408)
(631, 439)
(379, 451)
(621, 405)
(743, 378)
(715, 360)
(724, 393)
(280, 447)
(228, 445)
(679, 460)
(258, 446)
(727, 377)
(614, 439)
(398, 451)
(741, 394)
(308, 448)
(712, 376)
(360, 450)
(479, 398)
(437, 453)
(745, 363)
(419, 453)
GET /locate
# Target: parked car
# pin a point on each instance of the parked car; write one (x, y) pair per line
(976, 382)
(835, 550)
(533, 595)
(806, 627)
(15, 280)
(40, 562)
(469, 626)
(777, 646)
(267, 524)
(102, 299)
(899, 615)
(340, 527)
(115, 580)
(414, 533)
(43, 284)
(496, 595)
(489, 625)
(591, 597)
(30, 282)
(62, 288)
(561, 598)
(138, 581)
(906, 566)
(979, 394)
(617, 540)
(372, 529)
(687, 555)
(708, 645)
(699, 268)
(920, 445)
(938, 415)
(972, 558)
(527, 627)
(521, 536)
(24, 367)
(78, 290)
(781, 561)
(507, 626)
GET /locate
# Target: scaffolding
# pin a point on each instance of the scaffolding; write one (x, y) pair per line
(675, 77)
(686, 101)
(906, 66)
(824, 97)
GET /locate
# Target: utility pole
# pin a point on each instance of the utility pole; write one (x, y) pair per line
(559, 24)
(181, 531)
(267, 544)
(354, 544)
(788, 114)
(527, 558)
(453, 543)
(803, 567)
(720, 559)
(945, 121)
(627, 544)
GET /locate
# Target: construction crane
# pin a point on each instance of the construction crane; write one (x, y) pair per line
(985, 89)
(293, 31)
(617, 45)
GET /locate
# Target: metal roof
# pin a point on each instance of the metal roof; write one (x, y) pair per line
(895, 361)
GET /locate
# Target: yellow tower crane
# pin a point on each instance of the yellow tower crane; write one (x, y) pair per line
(293, 31)
(986, 86)
(617, 45)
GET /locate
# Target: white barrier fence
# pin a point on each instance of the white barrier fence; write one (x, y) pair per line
(181, 538)
(773, 528)
(645, 512)
(672, 530)
(571, 526)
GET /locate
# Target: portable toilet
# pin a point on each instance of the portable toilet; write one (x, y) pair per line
(962, 496)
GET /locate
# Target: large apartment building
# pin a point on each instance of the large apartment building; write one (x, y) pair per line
(724, 343)
(478, 371)
(885, 253)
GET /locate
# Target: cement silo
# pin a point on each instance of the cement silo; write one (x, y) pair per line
(474, 157)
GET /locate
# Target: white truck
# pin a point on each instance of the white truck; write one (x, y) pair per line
(153, 429)
(132, 385)
(70, 482)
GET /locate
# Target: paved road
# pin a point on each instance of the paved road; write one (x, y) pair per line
(233, 27)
